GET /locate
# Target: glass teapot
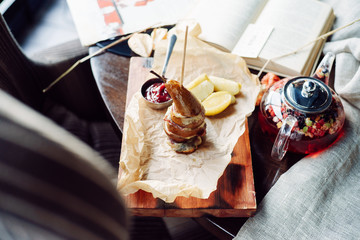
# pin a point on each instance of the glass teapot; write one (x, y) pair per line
(302, 114)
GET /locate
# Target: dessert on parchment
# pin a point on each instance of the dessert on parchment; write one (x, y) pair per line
(184, 121)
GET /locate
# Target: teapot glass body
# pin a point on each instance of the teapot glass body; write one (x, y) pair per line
(302, 114)
(307, 131)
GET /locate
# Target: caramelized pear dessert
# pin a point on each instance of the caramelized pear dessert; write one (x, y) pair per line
(184, 120)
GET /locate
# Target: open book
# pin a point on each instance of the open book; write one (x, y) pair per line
(278, 27)
(98, 20)
(257, 30)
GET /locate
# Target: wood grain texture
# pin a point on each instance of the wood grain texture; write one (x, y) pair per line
(235, 194)
(111, 75)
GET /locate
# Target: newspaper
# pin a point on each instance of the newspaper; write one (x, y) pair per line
(98, 20)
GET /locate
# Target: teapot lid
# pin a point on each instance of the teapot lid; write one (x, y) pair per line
(307, 94)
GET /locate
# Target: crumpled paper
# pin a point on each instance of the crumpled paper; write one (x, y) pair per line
(147, 162)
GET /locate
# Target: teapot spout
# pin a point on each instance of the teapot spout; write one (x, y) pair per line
(323, 70)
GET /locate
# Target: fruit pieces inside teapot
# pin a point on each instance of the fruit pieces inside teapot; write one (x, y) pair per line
(284, 107)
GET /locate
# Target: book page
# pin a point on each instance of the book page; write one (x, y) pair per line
(89, 21)
(252, 40)
(97, 20)
(223, 22)
(296, 23)
(154, 13)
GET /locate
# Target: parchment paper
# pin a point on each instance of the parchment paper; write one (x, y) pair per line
(147, 162)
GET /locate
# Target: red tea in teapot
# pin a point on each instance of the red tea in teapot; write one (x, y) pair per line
(311, 131)
(302, 114)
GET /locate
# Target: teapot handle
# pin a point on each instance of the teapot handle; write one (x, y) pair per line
(281, 143)
(323, 70)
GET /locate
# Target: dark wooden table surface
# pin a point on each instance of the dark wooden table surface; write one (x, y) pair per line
(111, 74)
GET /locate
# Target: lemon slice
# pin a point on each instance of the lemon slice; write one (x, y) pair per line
(233, 99)
(203, 90)
(201, 78)
(222, 84)
(217, 102)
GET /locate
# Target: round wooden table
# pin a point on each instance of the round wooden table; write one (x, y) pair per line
(111, 74)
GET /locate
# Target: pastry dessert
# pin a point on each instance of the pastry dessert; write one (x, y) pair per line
(184, 120)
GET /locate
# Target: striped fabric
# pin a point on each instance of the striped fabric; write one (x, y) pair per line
(52, 186)
(99, 135)
(74, 104)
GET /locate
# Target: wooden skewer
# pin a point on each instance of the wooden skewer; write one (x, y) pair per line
(183, 60)
(321, 37)
(101, 50)
(84, 59)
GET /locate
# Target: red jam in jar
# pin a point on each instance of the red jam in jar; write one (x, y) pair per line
(157, 93)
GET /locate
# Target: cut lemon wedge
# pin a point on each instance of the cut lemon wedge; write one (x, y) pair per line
(217, 102)
(233, 99)
(222, 84)
(203, 90)
(201, 78)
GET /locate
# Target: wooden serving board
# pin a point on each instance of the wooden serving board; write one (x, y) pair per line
(235, 194)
